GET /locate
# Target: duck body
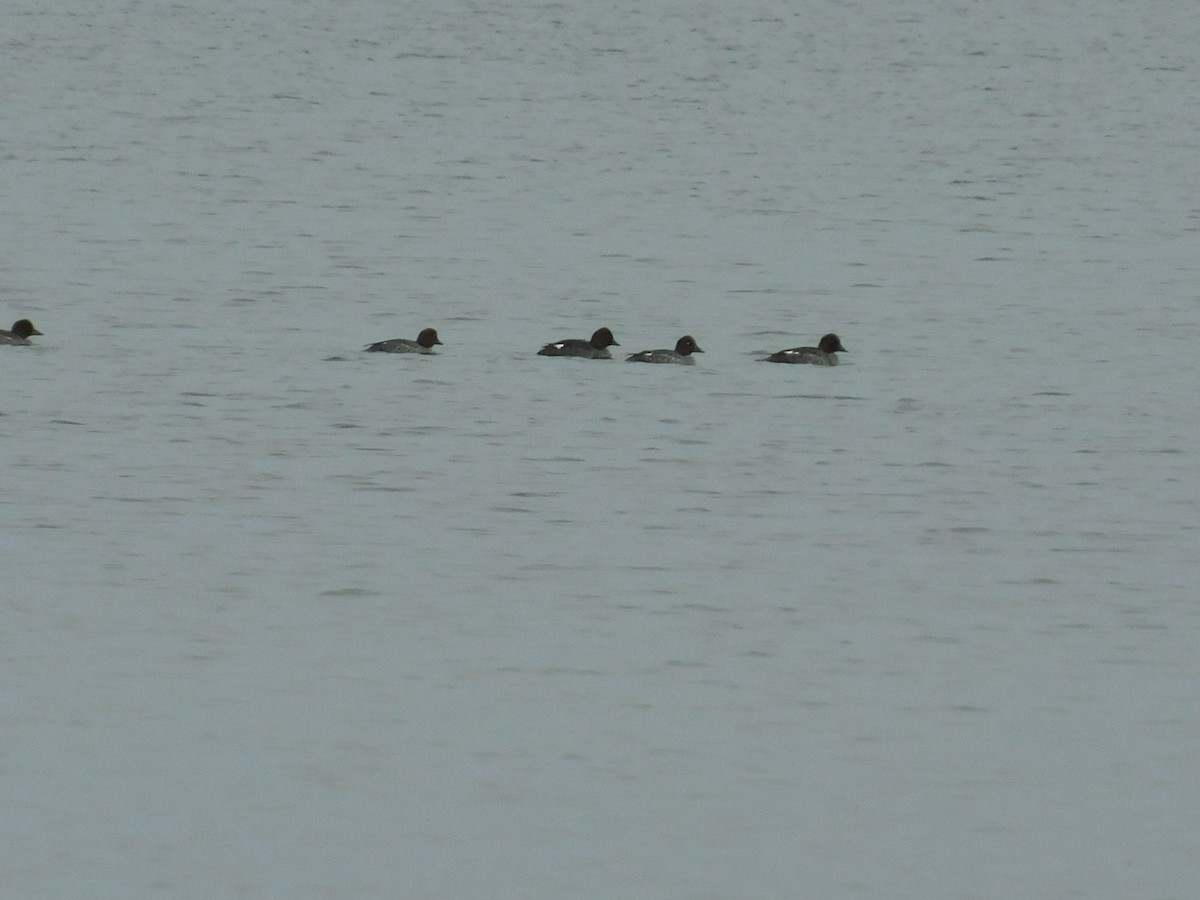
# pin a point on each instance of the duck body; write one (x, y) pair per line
(824, 354)
(596, 347)
(424, 343)
(681, 355)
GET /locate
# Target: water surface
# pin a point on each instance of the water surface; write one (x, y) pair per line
(285, 619)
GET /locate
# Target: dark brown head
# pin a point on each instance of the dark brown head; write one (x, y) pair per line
(602, 339)
(831, 343)
(427, 338)
(23, 328)
(687, 345)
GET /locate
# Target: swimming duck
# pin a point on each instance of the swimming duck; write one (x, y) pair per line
(594, 348)
(22, 330)
(824, 354)
(423, 344)
(684, 348)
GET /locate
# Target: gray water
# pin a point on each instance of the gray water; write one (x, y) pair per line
(284, 619)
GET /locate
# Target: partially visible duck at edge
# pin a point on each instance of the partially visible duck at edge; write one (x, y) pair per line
(682, 354)
(595, 348)
(22, 330)
(424, 343)
(824, 354)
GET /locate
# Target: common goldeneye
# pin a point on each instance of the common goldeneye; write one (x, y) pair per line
(21, 331)
(824, 354)
(684, 348)
(423, 344)
(596, 348)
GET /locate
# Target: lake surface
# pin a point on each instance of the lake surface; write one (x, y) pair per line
(284, 619)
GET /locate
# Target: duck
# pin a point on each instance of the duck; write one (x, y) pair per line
(682, 354)
(595, 347)
(22, 330)
(824, 354)
(424, 343)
